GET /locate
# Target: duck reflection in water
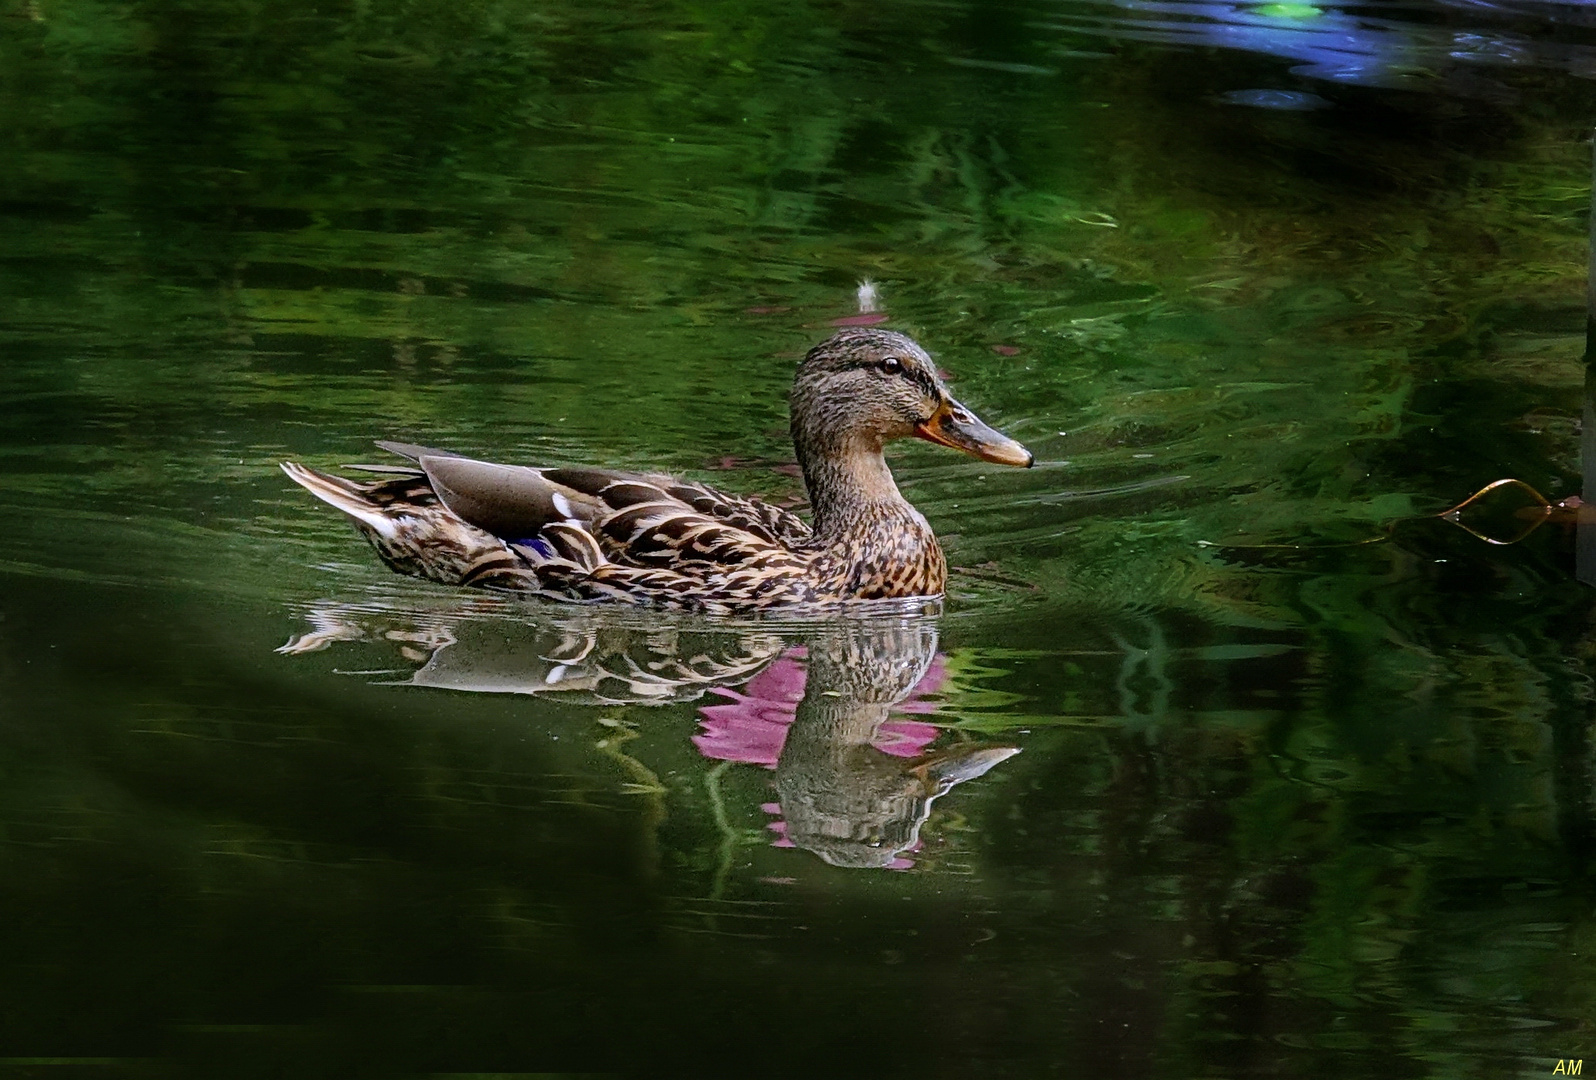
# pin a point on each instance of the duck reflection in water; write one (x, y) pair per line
(853, 784)
(814, 703)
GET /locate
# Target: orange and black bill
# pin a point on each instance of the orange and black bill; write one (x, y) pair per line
(954, 425)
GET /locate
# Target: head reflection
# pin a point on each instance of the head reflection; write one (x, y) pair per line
(834, 708)
(853, 784)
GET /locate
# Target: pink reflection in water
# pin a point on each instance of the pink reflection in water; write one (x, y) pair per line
(753, 727)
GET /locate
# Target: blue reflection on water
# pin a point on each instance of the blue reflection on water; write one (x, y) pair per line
(1333, 43)
(1330, 45)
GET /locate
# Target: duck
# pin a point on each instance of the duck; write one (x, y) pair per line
(596, 535)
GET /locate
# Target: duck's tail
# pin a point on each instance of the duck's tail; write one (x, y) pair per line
(416, 533)
(345, 495)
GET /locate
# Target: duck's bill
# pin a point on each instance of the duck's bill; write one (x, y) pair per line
(954, 425)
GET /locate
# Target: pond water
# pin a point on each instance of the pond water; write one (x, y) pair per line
(1226, 757)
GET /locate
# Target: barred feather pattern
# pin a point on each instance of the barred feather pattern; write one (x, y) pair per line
(719, 553)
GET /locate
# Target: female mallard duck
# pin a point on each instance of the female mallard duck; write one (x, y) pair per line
(589, 534)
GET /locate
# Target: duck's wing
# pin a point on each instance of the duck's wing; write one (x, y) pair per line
(622, 491)
(603, 534)
(746, 512)
(539, 530)
(518, 501)
(414, 451)
(594, 534)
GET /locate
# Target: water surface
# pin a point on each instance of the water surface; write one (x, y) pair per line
(1226, 757)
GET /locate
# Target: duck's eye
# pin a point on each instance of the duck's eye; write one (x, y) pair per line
(892, 365)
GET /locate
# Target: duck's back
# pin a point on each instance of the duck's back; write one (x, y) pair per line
(578, 533)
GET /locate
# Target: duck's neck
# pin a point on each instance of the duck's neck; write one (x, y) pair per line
(868, 541)
(850, 486)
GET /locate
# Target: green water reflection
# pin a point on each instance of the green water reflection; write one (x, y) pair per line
(1304, 773)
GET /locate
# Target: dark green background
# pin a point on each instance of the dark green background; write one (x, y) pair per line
(1289, 803)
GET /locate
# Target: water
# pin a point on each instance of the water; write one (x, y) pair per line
(1227, 756)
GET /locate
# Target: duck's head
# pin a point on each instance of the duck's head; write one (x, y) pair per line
(863, 387)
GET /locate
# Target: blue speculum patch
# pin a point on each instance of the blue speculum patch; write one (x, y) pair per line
(537, 544)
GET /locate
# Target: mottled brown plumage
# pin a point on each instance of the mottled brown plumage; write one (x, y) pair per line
(589, 534)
